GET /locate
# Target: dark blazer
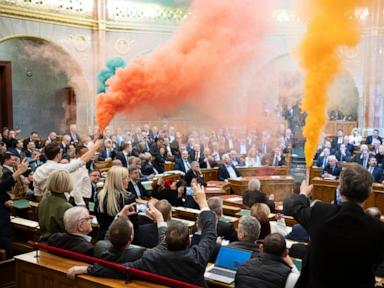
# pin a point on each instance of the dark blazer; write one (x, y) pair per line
(186, 265)
(343, 158)
(204, 165)
(159, 163)
(190, 175)
(147, 168)
(6, 183)
(226, 231)
(335, 232)
(146, 235)
(168, 194)
(334, 145)
(320, 161)
(370, 138)
(104, 219)
(335, 171)
(71, 242)
(192, 156)
(105, 250)
(252, 197)
(103, 154)
(144, 193)
(360, 160)
(377, 174)
(223, 172)
(179, 165)
(120, 156)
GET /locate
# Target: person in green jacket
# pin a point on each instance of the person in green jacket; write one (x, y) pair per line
(54, 204)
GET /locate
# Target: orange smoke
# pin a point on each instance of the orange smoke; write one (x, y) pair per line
(200, 66)
(332, 24)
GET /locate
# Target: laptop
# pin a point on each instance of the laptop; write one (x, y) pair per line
(227, 262)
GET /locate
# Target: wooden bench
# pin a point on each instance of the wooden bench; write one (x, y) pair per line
(49, 271)
(24, 230)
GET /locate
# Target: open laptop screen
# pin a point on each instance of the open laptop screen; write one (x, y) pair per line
(231, 258)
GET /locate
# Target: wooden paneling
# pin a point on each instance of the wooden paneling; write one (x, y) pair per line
(332, 127)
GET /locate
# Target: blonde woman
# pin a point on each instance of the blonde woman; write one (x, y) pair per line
(54, 204)
(112, 198)
(253, 159)
(355, 137)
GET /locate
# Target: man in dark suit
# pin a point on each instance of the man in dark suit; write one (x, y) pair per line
(64, 144)
(346, 244)
(183, 164)
(248, 232)
(380, 156)
(146, 235)
(9, 165)
(194, 172)
(375, 135)
(254, 195)
(338, 140)
(108, 153)
(196, 154)
(363, 157)
(124, 154)
(34, 137)
(227, 169)
(135, 185)
(77, 223)
(332, 171)
(75, 138)
(207, 162)
(172, 258)
(376, 172)
(343, 155)
(118, 246)
(322, 161)
(276, 158)
(224, 230)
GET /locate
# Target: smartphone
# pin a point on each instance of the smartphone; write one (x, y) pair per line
(189, 191)
(141, 207)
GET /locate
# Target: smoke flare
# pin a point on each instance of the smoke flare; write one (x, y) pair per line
(202, 65)
(331, 25)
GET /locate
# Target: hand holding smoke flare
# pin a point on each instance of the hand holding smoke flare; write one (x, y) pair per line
(332, 24)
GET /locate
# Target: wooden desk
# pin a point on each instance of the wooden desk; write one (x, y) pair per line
(233, 200)
(280, 186)
(49, 271)
(217, 188)
(314, 172)
(210, 174)
(24, 230)
(264, 171)
(168, 165)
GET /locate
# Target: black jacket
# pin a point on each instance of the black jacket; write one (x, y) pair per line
(190, 175)
(186, 265)
(105, 250)
(252, 197)
(223, 172)
(226, 231)
(346, 245)
(74, 243)
(266, 270)
(144, 193)
(146, 235)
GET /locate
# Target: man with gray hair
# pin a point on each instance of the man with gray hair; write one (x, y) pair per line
(194, 172)
(77, 223)
(227, 169)
(254, 195)
(248, 232)
(224, 230)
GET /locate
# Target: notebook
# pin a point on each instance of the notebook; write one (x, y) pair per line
(227, 262)
(21, 204)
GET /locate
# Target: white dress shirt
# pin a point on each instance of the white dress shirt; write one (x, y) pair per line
(231, 171)
(41, 174)
(81, 185)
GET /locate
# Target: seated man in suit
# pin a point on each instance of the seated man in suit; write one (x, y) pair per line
(248, 232)
(172, 258)
(343, 154)
(64, 144)
(338, 140)
(107, 153)
(332, 171)
(207, 160)
(380, 156)
(196, 154)
(77, 223)
(194, 172)
(135, 185)
(376, 172)
(117, 248)
(363, 157)
(375, 135)
(275, 159)
(224, 230)
(271, 268)
(125, 153)
(322, 161)
(375, 147)
(227, 169)
(146, 234)
(254, 195)
(183, 164)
